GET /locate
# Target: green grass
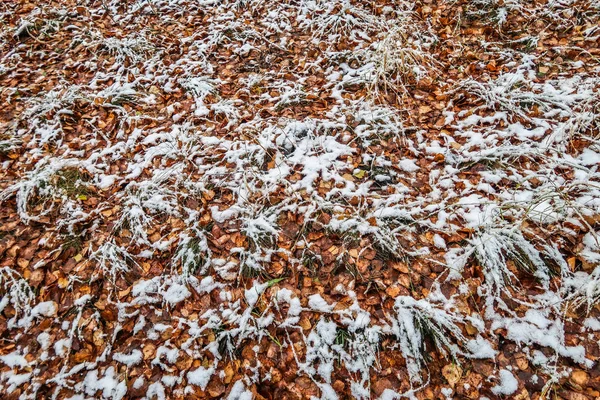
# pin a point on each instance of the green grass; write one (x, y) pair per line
(72, 241)
(72, 182)
(193, 262)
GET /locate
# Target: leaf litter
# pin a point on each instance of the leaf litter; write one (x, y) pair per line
(300, 199)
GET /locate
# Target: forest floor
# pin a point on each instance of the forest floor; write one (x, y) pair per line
(300, 199)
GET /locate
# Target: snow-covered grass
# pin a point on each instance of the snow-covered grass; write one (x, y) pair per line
(17, 293)
(419, 320)
(494, 248)
(192, 254)
(338, 18)
(400, 58)
(112, 259)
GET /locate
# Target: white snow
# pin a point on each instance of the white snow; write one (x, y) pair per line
(317, 303)
(14, 360)
(507, 384)
(239, 392)
(200, 376)
(131, 359)
(176, 293)
(408, 165)
(45, 309)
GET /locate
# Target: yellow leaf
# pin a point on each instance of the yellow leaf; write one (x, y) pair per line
(78, 257)
(81, 197)
(359, 173)
(452, 373)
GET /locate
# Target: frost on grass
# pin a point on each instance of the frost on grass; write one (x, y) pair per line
(433, 320)
(17, 293)
(494, 248)
(400, 58)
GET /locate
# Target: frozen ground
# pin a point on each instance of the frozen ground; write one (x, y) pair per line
(300, 199)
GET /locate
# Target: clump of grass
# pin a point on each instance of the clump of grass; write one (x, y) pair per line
(39, 25)
(49, 181)
(397, 61)
(417, 320)
(15, 291)
(338, 18)
(312, 262)
(133, 48)
(199, 87)
(250, 271)
(496, 11)
(193, 255)
(342, 340)
(580, 289)
(118, 94)
(495, 246)
(517, 95)
(72, 242)
(113, 260)
(341, 337)
(8, 144)
(72, 182)
(290, 96)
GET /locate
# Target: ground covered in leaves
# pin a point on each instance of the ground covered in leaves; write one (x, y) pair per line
(300, 199)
